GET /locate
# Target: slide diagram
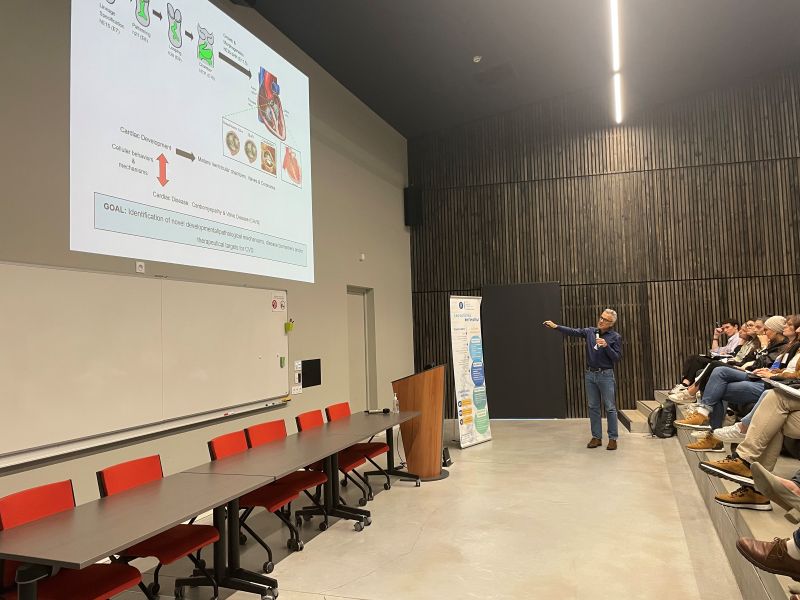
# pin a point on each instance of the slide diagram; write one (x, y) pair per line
(203, 157)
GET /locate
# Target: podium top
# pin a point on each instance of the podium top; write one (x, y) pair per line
(431, 370)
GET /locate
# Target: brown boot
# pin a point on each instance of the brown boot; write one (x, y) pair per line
(594, 443)
(612, 445)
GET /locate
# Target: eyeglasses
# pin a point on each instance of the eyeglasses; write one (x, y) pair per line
(602, 318)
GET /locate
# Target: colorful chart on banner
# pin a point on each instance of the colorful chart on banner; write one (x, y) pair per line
(472, 409)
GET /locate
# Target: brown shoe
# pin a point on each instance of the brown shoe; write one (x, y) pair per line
(744, 497)
(706, 444)
(733, 469)
(696, 420)
(612, 445)
(769, 556)
(594, 443)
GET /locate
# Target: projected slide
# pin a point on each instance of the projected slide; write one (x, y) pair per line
(189, 141)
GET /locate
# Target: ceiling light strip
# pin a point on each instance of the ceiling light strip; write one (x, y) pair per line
(616, 61)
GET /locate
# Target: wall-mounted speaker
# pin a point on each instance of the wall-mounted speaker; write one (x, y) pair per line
(412, 206)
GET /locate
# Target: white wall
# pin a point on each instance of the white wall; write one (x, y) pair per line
(358, 170)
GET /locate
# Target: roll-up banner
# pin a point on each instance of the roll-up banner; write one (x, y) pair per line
(472, 410)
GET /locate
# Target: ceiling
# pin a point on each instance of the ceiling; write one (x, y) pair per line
(411, 61)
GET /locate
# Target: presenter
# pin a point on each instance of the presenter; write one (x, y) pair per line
(603, 351)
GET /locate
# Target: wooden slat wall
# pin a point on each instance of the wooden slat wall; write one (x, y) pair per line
(680, 217)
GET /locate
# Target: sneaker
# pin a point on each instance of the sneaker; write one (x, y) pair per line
(706, 444)
(744, 497)
(696, 420)
(699, 434)
(682, 397)
(677, 388)
(733, 469)
(690, 409)
(730, 434)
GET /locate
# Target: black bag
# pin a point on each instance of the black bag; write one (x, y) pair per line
(662, 420)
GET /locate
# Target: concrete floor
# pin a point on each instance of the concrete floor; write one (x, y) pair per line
(531, 514)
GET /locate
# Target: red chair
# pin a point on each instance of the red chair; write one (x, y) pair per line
(97, 582)
(347, 459)
(369, 450)
(273, 498)
(181, 541)
(302, 481)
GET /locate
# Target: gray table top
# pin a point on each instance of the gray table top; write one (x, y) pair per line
(284, 456)
(78, 538)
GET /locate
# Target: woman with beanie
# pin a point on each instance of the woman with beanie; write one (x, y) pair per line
(733, 385)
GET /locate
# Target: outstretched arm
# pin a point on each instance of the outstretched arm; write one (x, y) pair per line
(564, 330)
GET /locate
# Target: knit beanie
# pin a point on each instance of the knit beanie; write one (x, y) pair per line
(776, 323)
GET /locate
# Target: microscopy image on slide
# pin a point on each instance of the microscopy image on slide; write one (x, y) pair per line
(291, 166)
(269, 162)
(251, 151)
(232, 142)
(270, 109)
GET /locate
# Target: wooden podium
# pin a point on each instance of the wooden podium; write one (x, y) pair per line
(422, 437)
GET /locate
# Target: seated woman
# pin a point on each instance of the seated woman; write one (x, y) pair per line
(735, 433)
(727, 384)
(743, 354)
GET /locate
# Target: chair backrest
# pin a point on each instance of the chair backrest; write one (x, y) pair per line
(227, 445)
(263, 433)
(334, 412)
(130, 474)
(30, 505)
(309, 420)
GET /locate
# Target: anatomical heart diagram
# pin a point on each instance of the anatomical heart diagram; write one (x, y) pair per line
(270, 109)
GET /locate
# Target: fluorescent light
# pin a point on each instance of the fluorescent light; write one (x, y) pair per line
(618, 97)
(615, 60)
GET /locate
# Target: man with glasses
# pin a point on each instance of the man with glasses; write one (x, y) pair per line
(603, 351)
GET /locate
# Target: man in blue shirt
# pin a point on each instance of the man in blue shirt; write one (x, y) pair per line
(603, 351)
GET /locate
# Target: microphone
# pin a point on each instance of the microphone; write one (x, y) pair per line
(596, 337)
(379, 411)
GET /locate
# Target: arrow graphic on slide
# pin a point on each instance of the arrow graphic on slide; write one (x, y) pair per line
(162, 170)
(185, 154)
(235, 65)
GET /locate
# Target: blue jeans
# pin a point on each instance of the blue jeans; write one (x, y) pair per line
(601, 385)
(731, 386)
(747, 419)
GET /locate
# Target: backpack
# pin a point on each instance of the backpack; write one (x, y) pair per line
(662, 419)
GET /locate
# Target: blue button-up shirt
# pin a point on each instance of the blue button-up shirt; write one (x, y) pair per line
(596, 356)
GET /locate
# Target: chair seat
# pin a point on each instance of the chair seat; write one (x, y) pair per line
(370, 449)
(174, 543)
(349, 460)
(270, 497)
(302, 480)
(98, 582)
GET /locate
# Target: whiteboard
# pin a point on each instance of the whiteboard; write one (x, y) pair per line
(222, 347)
(87, 354)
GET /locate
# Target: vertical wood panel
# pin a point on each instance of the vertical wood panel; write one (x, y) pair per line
(683, 216)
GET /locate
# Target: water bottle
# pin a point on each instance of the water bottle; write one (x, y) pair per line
(396, 405)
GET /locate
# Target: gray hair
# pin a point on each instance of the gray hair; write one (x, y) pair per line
(612, 312)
